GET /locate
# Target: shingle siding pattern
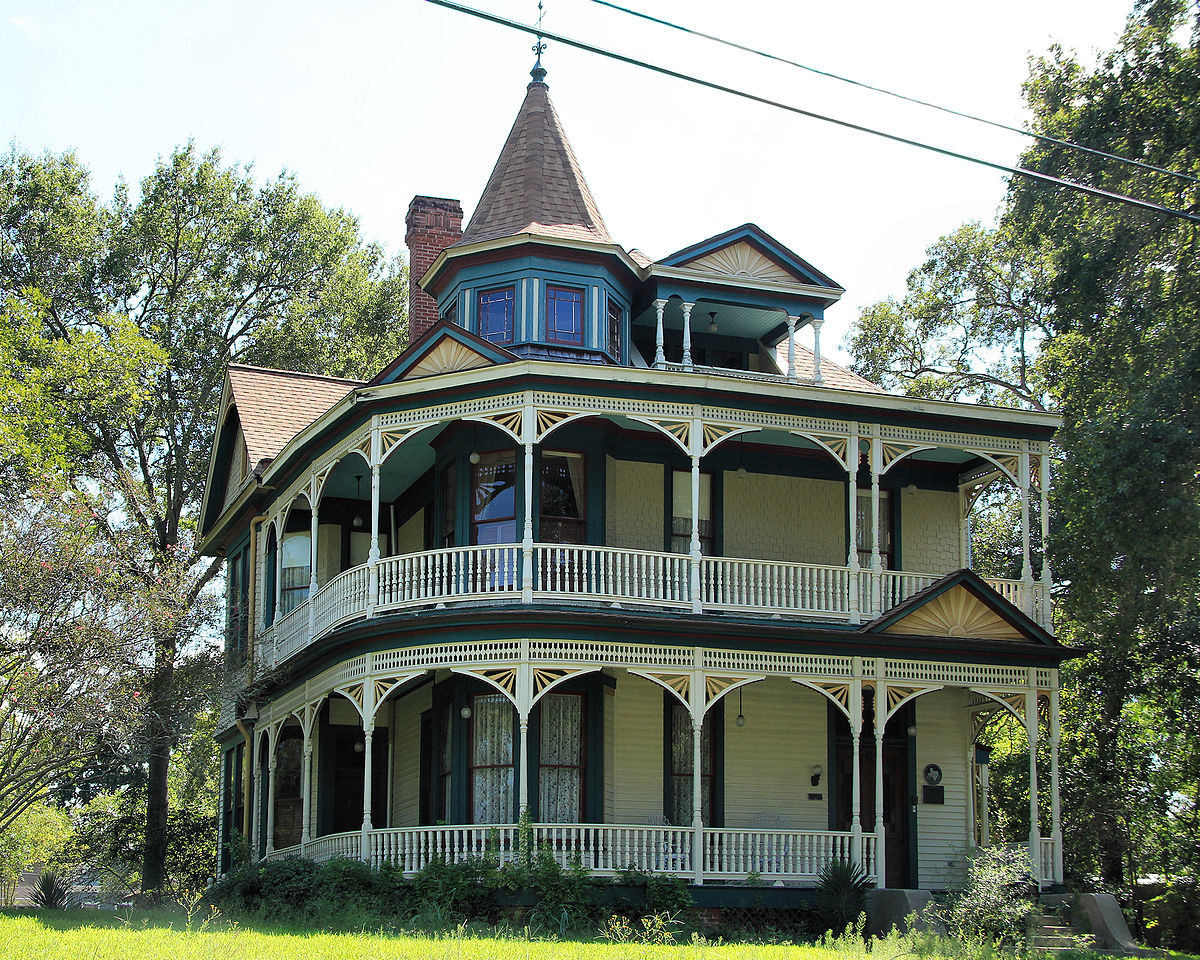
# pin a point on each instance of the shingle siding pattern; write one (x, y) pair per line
(537, 186)
(929, 533)
(793, 519)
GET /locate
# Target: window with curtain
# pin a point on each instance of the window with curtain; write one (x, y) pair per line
(562, 498)
(681, 767)
(494, 498)
(864, 528)
(561, 758)
(564, 314)
(297, 555)
(496, 315)
(491, 759)
(681, 512)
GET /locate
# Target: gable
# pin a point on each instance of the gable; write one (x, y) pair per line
(447, 356)
(957, 612)
(742, 260)
(443, 348)
(749, 253)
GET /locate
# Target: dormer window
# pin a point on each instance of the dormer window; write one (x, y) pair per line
(564, 315)
(496, 315)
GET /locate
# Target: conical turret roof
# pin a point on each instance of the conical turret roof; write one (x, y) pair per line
(536, 186)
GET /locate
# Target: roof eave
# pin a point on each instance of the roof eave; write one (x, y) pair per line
(830, 294)
(519, 239)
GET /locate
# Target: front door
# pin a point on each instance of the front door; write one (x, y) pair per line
(897, 805)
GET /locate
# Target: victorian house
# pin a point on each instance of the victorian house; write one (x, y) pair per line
(611, 545)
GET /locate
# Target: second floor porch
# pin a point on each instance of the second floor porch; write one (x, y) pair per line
(596, 575)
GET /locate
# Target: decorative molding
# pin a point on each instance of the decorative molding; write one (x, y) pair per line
(741, 260)
(679, 684)
(956, 613)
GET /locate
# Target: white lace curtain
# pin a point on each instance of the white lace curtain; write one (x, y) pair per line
(492, 759)
(560, 773)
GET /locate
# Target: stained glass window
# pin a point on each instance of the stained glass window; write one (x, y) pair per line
(564, 315)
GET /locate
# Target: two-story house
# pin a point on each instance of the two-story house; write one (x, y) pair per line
(608, 546)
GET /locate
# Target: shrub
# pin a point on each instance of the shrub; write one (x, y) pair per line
(995, 902)
(1171, 916)
(52, 892)
(841, 894)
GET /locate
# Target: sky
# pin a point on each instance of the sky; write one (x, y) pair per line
(369, 102)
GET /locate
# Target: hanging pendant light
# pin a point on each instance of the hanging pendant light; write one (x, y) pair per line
(358, 520)
(741, 718)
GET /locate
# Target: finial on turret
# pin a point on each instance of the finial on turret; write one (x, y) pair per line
(539, 72)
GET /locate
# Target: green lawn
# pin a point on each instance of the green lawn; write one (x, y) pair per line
(160, 935)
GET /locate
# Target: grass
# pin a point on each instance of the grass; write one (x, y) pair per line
(174, 935)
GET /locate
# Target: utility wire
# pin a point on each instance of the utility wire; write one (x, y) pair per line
(1028, 174)
(900, 96)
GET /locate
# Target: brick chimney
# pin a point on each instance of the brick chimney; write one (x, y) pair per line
(433, 224)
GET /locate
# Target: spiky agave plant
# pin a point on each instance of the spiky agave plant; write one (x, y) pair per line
(841, 894)
(52, 892)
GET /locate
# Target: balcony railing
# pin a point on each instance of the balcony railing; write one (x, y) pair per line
(594, 574)
(605, 849)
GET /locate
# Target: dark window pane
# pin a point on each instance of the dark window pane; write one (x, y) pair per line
(564, 315)
(614, 329)
(562, 498)
(496, 315)
(494, 498)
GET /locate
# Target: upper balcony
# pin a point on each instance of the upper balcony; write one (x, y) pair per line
(580, 574)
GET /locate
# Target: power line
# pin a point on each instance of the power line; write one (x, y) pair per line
(1033, 175)
(1043, 138)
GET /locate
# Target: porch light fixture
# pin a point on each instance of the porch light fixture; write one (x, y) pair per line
(465, 713)
(358, 520)
(911, 488)
(712, 322)
(358, 746)
(815, 778)
(474, 457)
(912, 730)
(741, 719)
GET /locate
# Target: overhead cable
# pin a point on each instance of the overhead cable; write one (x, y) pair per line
(1043, 178)
(1041, 137)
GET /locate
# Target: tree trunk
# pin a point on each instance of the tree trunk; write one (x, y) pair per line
(1111, 837)
(159, 709)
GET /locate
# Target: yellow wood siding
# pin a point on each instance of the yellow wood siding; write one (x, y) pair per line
(943, 737)
(634, 504)
(410, 538)
(406, 758)
(929, 532)
(768, 762)
(784, 518)
(638, 750)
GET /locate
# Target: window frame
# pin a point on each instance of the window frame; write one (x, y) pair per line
(471, 766)
(614, 316)
(714, 720)
(887, 532)
(581, 498)
(711, 536)
(552, 336)
(510, 292)
(581, 768)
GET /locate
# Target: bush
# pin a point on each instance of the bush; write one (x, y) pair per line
(1171, 916)
(995, 902)
(841, 894)
(52, 892)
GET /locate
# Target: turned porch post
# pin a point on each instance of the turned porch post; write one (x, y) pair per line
(1056, 837)
(373, 556)
(694, 544)
(697, 801)
(791, 368)
(1031, 734)
(312, 564)
(852, 457)
(527, 535)
(278, 571)
(856, 725)
(659, 358)
(985, 815)
(271, 795)
(816, 325)
(368, 735)
(1044, 484)
(687, 335)
(881, 700)
(876, 557)
(306, 793)
(1026, 563)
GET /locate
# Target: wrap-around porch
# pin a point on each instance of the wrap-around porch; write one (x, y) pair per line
(791, 782)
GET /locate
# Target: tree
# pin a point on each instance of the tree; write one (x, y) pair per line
(68, 644)
(1117, 353)
(207, 266)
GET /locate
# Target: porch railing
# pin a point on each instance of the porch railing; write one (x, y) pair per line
(604, 574)
(604, 849)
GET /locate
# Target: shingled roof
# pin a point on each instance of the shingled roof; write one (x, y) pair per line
(536, 186)
(275, 405)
